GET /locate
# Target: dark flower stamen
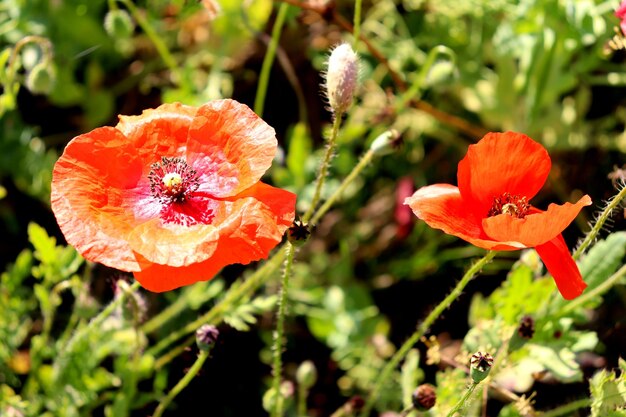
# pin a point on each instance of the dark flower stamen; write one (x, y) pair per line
(513, 205)
(172, 180)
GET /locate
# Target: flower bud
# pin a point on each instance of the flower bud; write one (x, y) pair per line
(306, 375)
(386, 142)
(206, 336)
(41, 78)
(424, 397)
(480, 366)
(118, 24)
(341, 77)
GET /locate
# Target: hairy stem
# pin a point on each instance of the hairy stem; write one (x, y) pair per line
(214, 315)
(422, 329)
(604, 216)
(321, 177)
(193, 371)
(600, 289)
(462, 402)
(279, 333)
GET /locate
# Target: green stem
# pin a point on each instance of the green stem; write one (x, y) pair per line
(173, 353)
(215, 314)
(567, 409)
(422, 329)
(321, 177)
(303, 393)
(363, 163)
(356, 33)
(604, 216)
(268, 60)
(154, 37)
(600, 289)
(412, 93)
(279, 334)
(166, 315)
(461, 404)
(193, 371)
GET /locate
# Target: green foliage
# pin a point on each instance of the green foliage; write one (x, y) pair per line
(608, 392)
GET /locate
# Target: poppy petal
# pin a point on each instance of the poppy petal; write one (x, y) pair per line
(249, 228)
(562, 267)
(502, 162)
(93, 185)
(160, 132)
(230, 146)
(534, 229)
(442, 207)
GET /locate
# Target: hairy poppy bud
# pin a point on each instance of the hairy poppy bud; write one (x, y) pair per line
(480, 366)
(118, 24)
(206, 336)
(41, 78)
(341, 77)
(424, 397)
(306, 375)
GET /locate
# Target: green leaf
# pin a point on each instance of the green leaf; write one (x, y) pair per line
(45, 246)
(603, 259)
(521, 284)
(608, 393)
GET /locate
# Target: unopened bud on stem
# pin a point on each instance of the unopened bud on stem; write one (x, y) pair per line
(206, 336)
(341, 77)
(424, 397)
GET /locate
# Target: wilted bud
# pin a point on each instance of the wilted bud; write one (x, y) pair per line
(206, 336)
(480, 366)
(41, 78)
(424, 397)
(523, 333)
(119, 24)
(306, 375)
(341, 77)
(386, 142)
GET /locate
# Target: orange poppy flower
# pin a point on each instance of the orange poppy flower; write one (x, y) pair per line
(172, 195)
(490, 207)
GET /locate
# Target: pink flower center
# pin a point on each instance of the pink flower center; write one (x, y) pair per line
(513, 205)
(172, 180)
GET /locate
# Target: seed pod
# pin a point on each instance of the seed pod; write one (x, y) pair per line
(480, 366)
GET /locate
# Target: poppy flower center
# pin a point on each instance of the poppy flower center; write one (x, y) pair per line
(172, 180)
(513, 205)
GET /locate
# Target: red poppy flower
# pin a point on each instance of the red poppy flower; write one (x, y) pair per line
(490, 208)
(620, 13)
(172, 195)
